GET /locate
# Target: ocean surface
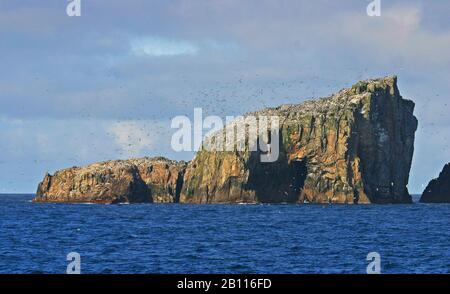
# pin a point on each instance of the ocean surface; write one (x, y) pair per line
(174, 238)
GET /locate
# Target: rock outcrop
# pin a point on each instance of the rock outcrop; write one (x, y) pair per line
(157, 180)
(438, 190)
(353, 147)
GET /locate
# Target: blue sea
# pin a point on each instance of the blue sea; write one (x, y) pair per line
(176, 238)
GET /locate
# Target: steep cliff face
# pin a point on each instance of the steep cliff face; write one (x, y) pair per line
(353, 147)
(156, 180)
(438, 190)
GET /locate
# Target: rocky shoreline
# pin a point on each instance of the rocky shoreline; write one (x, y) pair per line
(354, 147)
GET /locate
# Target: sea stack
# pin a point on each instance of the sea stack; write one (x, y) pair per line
(438, 190)
(353, 147)
(154, 180)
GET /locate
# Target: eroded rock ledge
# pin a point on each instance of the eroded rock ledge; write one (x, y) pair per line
(353, 147)
(438, 190)
(156, 180)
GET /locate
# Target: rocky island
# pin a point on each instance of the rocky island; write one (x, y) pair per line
(438, 190)
(353, 147)
(156, 180)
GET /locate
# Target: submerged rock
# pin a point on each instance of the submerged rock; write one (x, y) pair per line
(353, 147)
(156, 180)
(438, 190)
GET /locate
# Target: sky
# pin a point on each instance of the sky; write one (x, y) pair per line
(106, 84)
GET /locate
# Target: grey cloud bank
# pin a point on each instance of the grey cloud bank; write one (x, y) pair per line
(125, 68)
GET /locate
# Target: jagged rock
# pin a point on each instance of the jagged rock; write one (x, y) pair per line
(156, 180)
(353, 147)
(438, 190)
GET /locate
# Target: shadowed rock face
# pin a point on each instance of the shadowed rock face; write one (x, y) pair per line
(156, 180)
(438, 190)
(353, 147)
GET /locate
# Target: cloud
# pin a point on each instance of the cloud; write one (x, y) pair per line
(157, 47)
(79, 90)
(30, 147)
(397, 33)
(137, 138)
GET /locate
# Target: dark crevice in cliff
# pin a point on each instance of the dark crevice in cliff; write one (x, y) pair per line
(179, 187)
(140, 191)
(281, 181)
(300, 171)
